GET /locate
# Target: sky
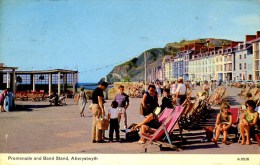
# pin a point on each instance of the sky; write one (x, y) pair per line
(93, 36)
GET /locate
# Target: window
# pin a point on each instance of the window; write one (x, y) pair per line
(41, 79)
(244, 65)
(244, 56)
(240, 66)
(240, 56)
(26, 78)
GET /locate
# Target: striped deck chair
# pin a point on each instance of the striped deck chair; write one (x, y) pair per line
(164, 129)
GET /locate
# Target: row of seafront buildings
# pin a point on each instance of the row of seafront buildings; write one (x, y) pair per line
(199, 61)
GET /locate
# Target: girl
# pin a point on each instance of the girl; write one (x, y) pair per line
(223, 123)
(113, 115)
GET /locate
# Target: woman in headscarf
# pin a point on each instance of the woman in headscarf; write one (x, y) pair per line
(2, 98)
(82, 101)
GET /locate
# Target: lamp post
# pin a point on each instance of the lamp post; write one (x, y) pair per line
(145, 71)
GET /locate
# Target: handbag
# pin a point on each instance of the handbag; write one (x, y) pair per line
(132, 135)
(141, 110)
(90, 106)
(103, 124)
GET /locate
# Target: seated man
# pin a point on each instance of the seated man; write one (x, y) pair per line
(62, 99)
(54, 98)
(151, 120)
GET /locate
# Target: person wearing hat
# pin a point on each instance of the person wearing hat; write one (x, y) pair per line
(181, 91)
(82, 101)
(2, 98)
(98, 110)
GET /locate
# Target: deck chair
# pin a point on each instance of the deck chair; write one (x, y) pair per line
(163, 116)
(235, 118)
(164, 129)
(233, 130)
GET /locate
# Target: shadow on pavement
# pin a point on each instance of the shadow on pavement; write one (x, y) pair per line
(28, 108)
(233, 101)
(205, 146)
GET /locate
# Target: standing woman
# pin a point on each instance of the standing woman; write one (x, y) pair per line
(2, 98)
(206, 87)
(158, 88)
(173, 87)
(150, 100)
(82, 101)
(248, 121)
(98, 110)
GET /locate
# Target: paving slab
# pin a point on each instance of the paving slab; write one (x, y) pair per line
(36, 127)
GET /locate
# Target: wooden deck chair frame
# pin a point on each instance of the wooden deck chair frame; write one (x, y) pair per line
(165, 128)
(184, 123)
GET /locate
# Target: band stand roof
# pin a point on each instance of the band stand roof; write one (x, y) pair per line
(46, 71)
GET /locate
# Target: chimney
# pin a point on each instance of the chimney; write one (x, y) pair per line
(257, 34)
(234, 43)
(250, 37)
(1, 66)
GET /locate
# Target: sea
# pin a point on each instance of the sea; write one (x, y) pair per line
(90, 86)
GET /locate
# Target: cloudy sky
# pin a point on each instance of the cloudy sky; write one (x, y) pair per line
(96, 35)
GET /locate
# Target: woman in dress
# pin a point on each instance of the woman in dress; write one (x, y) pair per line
(248, 121)
(150, 100)
(82, 101)
(223, 123)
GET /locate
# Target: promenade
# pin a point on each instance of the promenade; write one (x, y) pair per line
(36, 127)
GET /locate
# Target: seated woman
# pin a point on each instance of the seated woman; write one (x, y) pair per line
(223, 123)
(248, 121)
(151, 120)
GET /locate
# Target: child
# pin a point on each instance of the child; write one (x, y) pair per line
(113, 115)
(167, 100)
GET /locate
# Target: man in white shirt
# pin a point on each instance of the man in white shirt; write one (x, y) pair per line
(180, 91)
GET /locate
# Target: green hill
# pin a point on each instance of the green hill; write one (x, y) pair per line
(133, 70)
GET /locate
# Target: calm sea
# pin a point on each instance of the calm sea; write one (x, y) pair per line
(90, 86)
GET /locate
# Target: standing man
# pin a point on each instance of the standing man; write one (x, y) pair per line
(123, 103)
(98, 110)
(181, 92)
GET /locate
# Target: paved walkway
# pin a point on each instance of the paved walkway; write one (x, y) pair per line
(38, 128)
